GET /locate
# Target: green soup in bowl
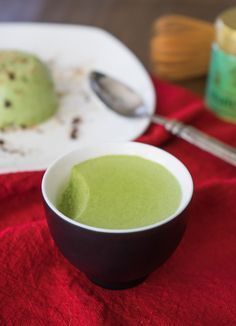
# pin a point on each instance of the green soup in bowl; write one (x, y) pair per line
(120, 192)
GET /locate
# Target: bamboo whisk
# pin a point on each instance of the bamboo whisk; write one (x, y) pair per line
(180, 47)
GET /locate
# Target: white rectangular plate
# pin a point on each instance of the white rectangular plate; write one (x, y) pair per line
(71, 52)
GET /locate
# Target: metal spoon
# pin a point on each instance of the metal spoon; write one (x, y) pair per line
(123, 100)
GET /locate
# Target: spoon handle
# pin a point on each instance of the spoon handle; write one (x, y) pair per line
(199, 139)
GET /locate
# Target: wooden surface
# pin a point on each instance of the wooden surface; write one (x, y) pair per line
(129, 20)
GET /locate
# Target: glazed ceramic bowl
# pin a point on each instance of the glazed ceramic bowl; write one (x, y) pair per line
(115, 259)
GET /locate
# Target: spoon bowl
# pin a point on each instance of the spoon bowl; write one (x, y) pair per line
(117, 96)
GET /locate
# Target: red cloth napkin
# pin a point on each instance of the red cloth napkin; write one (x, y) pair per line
(196, 286)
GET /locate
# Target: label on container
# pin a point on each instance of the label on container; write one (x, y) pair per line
(221, 86)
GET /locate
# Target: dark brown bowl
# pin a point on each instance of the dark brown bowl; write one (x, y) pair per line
(115, 259)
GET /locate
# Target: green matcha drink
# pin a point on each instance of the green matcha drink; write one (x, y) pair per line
(27, 95)
(120, 192)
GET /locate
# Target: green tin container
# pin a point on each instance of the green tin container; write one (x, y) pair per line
(221, 85)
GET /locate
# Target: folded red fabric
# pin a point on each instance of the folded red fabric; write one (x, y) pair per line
(196, 286)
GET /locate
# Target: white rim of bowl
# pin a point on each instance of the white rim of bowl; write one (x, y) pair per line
(116, 231)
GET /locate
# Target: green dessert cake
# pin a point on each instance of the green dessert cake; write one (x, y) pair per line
(27, 95)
